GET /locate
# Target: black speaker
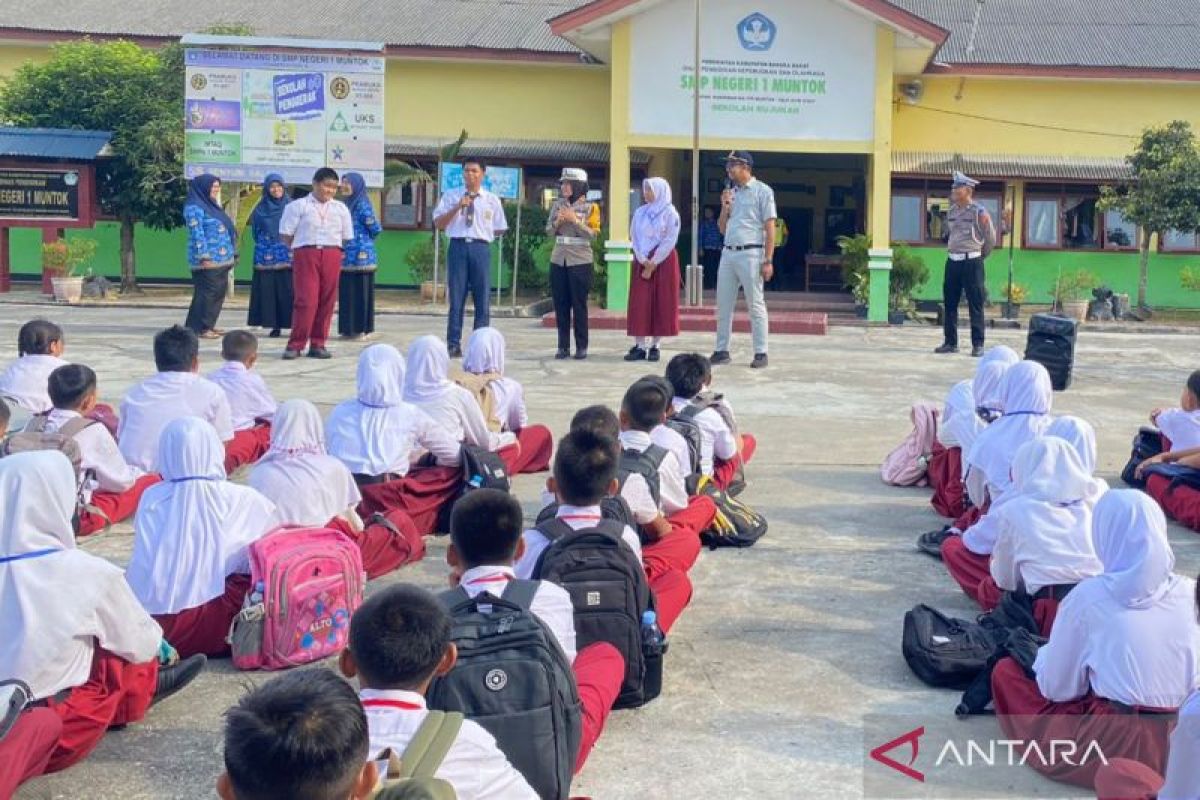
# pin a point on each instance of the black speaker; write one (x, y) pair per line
(1051, 343)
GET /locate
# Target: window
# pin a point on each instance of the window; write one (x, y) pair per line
(907, 218)
(1119, 233)
(1068, 217)
(407, 205)
(1041, 223)
(919, 209)
(1177, 241)
(1081, 229)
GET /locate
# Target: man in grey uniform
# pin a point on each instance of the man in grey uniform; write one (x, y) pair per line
(747, 222)
(971, 237)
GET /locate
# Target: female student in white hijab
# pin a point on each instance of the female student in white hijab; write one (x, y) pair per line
(502, 399)
(75, 633)
(190, 567)
(313, 489)
(379, 437)
(654, 285)
(956, 432)
(1125, 640)
(1026, 397)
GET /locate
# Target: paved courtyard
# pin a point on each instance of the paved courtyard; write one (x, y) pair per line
(785, 648)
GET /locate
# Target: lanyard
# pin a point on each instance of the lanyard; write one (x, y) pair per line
(24, 556)
(400, 704)
(498, 578)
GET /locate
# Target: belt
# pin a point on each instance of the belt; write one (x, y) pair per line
(571, 240)
(737, 247)
(964, 256)
(375, 480)
(469, 240)
(1058, 591)
(319, 247)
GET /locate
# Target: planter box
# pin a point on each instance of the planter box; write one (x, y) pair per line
(67, 289)
(1010, 310)
(427, 292)
(897, 317)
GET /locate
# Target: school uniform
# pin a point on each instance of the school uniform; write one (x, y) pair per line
(75, 633)
(572, 268)
(719, 448)
(1125, 639)
(378, 436)
(959, 427)
(112, 487)
(190, 566)
(469, 256)
(1182, 428)
(211, 253)
(165, 396)
(673, 442)
(271, 286)
(251, 407)
(599, 668)
(654, 302)
(26, 749)
(474, 765)
(25, 380)
(319, 231)
(356, 286)
(1125, 778)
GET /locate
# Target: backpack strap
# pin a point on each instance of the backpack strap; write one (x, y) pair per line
(656, 454)
(37, 423)
(75, 425)
(521, 593)
(554, 529)
(428, 748)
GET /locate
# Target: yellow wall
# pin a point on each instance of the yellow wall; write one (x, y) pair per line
(1111, 107)
(13, 56)
(507, 101)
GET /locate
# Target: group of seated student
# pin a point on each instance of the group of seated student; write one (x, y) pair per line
(1122, 644)
(1178, 433)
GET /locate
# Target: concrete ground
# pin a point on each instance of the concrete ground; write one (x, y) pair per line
(786, 648)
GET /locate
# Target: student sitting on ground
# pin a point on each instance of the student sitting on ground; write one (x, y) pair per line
(27, 746)
(40, 346)
(112, 487)
(956, 431)
(686, 455)
(399, 640)
(485, 540)
(251, 403)
(300, 736)
(312, 489)
(176, 391)
(723, 451)
(190, 567)
(378, 436)
(75, 633)
(502, 399)
(986, 384)
(1124, 641)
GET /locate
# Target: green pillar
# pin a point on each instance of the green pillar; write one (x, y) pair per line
(618, 259)
(879, 266)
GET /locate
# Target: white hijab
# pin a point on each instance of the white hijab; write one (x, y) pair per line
(307, 486)
(371, 434)
(193, 529)
(960, 424)
(655, 224)
(1080, 434)
(485, 352)
(1129, 533)
(985, 388)
(1026, 397)
(1000, 354)
(428, 373)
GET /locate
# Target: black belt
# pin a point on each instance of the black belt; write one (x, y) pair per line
(468, 240)
(1058, 591)
(737, 247)
(373, 480)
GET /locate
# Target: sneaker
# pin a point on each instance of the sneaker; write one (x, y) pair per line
(720, 357)
(946, 348)
(930, 542)
(173, 678)
(580, 355)
(759, 362)
(977, 351)
(289, 355)
(635, 354)
(653, 355)
(561, 354)
(454, 350)
(319, 352)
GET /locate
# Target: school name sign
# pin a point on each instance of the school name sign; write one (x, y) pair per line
(39, 194)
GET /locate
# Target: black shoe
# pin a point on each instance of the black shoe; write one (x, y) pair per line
(977, 351)
(561, 354)
(720, 357)
(930, 543)
(653, 354)
(173, 678)
(946, 348)
(290, 355)
(454, 350)
(635, 354)
(319, 352)
(274, 334)
(580, 355)
(759, 362)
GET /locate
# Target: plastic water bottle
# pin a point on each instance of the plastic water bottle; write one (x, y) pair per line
(654, 646)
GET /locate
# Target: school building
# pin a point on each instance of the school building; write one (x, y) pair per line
(856, 110)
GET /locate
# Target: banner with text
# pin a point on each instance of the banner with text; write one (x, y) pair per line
(39, 193)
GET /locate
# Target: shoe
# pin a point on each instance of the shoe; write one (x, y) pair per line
(173, 678)
(946, 348)
(274, 334)
(454, 350)
(561, 354)
(219, 331)
(290, 355)
(930, 543)
(210, 335)
(759, 362)
(580, 355)
(720, 357)
(319, 352)
(977, 351)
(635, 354)
(653, 354)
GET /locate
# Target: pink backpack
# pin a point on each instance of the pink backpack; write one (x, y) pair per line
(907, 464)
(305, 584)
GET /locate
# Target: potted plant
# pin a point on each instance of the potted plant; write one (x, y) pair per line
(855, 271)
(419, 259)
(1070, 293)
(1014, 296)
(65, 261)
(909, 273)
(860, 290)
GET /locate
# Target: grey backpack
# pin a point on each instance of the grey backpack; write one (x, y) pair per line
(645, 463)
(413, 775)
(513, 679)
(35, 437)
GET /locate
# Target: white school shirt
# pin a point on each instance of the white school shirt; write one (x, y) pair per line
(165, 396)
(508, 403)
(24, 382)
(577, 517)
(671, 490)
(458, 412)
(249, 398)
(313, 223)
(99, 455)
(551, 603)
(489, 219)
(1056, 550)
(1183, 761)
(474, 766)
(716, 440)
(1181, 427)
(673, 440)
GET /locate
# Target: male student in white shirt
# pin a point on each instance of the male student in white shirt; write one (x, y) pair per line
(399, 641)
(485, 540)
(112, 487)
(251, 404)
(721, 449)
(176, 391)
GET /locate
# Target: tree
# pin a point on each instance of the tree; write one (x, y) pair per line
(1164, 193)
(130, 91)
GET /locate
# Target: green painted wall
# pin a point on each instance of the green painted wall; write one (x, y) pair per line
(1038, 270)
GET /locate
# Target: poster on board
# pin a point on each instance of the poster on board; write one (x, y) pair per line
(248, 113)
(504, 182)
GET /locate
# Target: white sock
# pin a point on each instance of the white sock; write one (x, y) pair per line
(640, 341)
(655, 340)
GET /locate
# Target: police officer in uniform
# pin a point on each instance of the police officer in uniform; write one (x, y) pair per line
(971, 237)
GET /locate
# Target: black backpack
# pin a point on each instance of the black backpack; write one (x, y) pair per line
(947, 652)
(482, 469)
(684, 423)
(613, 507)
(735, 524)
(513, 679)
(645, 463)
(609, 591)
(1146, 444)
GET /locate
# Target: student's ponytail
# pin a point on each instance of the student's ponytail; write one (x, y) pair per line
(36, 337)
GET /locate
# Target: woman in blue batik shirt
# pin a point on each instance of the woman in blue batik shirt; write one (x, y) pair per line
(211, 253)
(271, 287)
(356, 288)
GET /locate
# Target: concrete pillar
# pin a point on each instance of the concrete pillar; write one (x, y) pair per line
(879, 266)
(618, 252)
(880, 191)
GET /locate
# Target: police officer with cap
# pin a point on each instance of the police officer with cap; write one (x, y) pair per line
(971, 237)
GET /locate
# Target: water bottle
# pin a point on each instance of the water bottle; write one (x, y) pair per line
(256, 596)
(654, 647)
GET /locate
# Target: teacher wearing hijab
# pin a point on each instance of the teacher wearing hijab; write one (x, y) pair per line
(212, 253)
(271, 287)
(356, 286)
(654, 286)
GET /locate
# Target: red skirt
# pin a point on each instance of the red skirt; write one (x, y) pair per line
(945, 478)
(112, 507)
(968, 569)
(531, 453)
(1181, 504)
(203, 629)
(27, 748)
(247, 446)
(383, 550)
(420, 494)
(1124, 779)
(654, 304)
